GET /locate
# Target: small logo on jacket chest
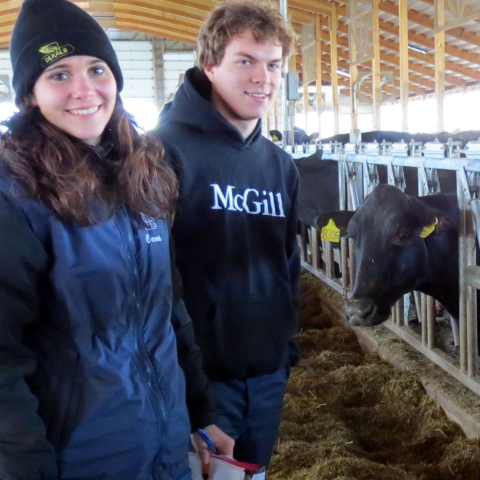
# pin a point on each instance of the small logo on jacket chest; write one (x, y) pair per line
(151, 224)
(252, 201)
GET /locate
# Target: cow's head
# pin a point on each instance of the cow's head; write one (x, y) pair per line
(388, 233)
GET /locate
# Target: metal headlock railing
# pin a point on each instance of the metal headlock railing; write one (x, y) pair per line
(358, 176)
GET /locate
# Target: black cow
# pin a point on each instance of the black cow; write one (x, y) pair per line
(318, 187)
(391, 257)
(300, 136)
(392, 136)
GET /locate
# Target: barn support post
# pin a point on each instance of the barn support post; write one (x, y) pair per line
(462, 196)
(290, 105)
(303, 242)
(318, 83)
(467, 258)
(472, 347)
(440, 63)
(418, 304)
(423, 307)
(306, 106)
(344, 243)
(314, 247)
(353, 100)
(328, 259)
(430, 323)
(403, 50)
(276, 109)
(399, 306)
(334, 66)
(353, 71)
(377, 94)
(159, 71)
(284, 103)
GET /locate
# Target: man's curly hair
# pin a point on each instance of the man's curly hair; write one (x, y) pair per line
(233, 17)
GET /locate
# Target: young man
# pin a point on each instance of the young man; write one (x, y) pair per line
(235, 226)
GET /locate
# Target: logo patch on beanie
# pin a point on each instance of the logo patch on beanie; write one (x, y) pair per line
(53, 52)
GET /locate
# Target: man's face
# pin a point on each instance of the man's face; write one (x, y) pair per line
(246, 82)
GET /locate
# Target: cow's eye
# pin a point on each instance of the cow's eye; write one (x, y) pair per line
(404, 236)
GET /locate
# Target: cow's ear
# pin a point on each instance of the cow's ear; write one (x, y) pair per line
(444, 223)
(436, 226)
(340, 217)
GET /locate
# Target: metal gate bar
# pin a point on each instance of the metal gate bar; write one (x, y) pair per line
(358, 175)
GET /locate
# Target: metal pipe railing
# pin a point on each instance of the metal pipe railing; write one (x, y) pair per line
(357, 177)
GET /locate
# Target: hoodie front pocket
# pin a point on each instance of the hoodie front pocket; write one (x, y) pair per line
(249, 339)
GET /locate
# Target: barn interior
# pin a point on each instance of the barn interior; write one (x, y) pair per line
(360, 67)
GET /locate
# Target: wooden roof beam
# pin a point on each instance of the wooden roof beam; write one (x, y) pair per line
(155, 8)
(315, 6)
(341, 81)
(4, 40)
(422, 19)
(430, 59)
(153, 23)
(344, 65)
(12, 6)
(388, 6)
(301, 16)
(386, 58)
(425, 58)
(176, 35)
(345, 82)
(202, 5)
(172, 33)
(422, 40)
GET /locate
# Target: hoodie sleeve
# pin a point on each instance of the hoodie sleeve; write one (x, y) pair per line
(293, 254)
(24, 451)
(199, 402)
(294, 264)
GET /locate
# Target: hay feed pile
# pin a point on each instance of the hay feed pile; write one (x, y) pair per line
(350, 416)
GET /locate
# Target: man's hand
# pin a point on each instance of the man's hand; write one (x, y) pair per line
(224, 443)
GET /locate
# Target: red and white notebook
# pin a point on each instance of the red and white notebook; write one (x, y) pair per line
(223, 467)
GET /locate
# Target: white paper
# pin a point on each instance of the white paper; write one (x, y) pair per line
(219, 469)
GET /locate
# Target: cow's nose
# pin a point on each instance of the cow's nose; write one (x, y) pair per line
(360, 312)
(359, 308)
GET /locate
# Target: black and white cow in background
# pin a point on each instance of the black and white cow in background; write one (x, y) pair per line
(392, 258)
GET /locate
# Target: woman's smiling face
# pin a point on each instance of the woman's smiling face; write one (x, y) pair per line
(77, 94)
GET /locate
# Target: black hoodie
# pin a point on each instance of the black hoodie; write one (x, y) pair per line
(234, 234)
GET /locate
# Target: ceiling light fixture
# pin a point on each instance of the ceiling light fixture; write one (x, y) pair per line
(417, 49)
(343, 73)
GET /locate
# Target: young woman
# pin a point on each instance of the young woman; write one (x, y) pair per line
(90, 382)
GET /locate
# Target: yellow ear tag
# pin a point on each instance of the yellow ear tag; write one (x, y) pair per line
(426, 231)
(330, 233)
(275, 138)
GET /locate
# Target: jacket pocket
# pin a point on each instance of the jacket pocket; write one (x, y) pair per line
(59, 425)
(248, 339)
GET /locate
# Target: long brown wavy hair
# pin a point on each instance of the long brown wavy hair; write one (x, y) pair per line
(81, 183)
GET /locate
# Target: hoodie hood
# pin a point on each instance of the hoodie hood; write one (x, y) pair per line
(192, 106)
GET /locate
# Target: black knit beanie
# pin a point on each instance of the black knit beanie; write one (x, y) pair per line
(48, 30)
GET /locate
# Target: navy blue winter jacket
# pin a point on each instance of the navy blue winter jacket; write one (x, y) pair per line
(90, 384)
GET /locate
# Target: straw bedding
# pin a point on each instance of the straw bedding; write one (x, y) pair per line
(351, 416)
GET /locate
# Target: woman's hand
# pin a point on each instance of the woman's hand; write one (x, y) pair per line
(220, 439)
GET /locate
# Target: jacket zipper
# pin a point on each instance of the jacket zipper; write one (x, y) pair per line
(142, 360)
